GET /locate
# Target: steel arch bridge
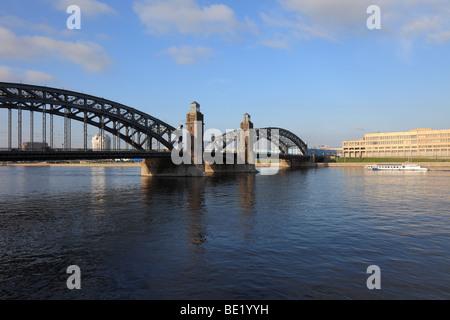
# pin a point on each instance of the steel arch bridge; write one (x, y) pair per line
(130, 125)
(287, 139)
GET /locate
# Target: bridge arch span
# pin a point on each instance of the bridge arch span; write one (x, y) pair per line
(287, 139)
(128, 124)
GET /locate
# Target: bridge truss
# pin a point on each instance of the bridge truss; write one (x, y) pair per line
(134, 127)
(286, 140)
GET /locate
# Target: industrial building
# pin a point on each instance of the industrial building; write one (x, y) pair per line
(34, 146)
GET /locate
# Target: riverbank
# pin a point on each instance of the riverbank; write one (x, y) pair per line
(45, 164)
(430, 165)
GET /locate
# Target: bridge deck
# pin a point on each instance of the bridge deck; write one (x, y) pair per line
(56, 155)
(22, 155)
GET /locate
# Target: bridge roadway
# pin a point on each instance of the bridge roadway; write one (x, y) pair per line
(60, 155)
(16, 155)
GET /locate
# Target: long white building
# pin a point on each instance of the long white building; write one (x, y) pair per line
(424, 143)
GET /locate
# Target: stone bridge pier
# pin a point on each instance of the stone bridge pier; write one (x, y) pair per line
(231, 163)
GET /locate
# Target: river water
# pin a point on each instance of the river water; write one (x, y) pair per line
(301, 234)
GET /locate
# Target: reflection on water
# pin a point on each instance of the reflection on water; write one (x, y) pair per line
(190, 193)
(303, 234)
(98, 188)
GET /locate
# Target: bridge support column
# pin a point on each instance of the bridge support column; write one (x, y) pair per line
(44, 126)
(85, 131)
(52, 144)
(67, 131)
(149, 143)
(9, 130)
(19, 129)
(32, 130)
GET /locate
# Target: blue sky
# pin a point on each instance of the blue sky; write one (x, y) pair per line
(312, 67)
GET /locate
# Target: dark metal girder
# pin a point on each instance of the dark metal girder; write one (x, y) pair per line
(33, 98)
(58, 112)
(60, 155)
(287, 139)
(286, 134)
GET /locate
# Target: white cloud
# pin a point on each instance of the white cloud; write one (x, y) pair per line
(187, 17)
(14, 22)
(420, 25)
(277, 43)
(291, 29)
(9, 74)
(88, 55)
(328, 12)
(188, 55)
(34, 76)
(328, 18)
(402, 20)
(439, 37)
(359, 128)
(88, 7)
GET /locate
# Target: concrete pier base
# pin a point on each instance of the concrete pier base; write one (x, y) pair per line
(297, 163)
(211, 169)
(229, 165)
(164, 167)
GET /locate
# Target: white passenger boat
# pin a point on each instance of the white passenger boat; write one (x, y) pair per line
(396, 167)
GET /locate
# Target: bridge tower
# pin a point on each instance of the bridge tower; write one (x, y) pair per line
(195, 125)
(245, 144)
(166, 168)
